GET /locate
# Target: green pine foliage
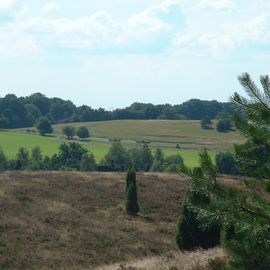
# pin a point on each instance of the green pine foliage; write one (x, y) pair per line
(131, 199)
(226, 163)
(255, 153)
(191, 233)
(244, 217)
(207, 166)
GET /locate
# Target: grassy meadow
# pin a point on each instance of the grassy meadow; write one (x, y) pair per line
(164, 134)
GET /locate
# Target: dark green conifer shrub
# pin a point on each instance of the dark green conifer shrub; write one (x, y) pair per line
(131, 199)
(190, 232)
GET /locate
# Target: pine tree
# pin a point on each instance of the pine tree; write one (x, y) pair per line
(131, 199)
(255, 153)
(244, 217)
(190, 232)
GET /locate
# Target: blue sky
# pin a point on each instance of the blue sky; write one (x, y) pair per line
(110, 53)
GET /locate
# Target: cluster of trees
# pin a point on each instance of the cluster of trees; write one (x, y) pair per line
(73, 156)
(213, 214)
(18, 112)
(70, 132)
(223, 125)
(44, 127)
(70, 156)
(119, 159)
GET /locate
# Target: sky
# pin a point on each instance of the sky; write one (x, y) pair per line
(111, 53)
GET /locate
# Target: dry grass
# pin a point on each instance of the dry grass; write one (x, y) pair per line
(76, 221)
(197, 260)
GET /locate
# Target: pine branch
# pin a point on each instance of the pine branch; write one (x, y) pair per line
(252, 90)
(239, 100)
(255, 214)
(265, 81)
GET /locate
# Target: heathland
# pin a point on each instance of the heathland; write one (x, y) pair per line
(72, 220)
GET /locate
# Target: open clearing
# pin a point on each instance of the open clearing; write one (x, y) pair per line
(165, 133)
(75, 221)
(162, 133)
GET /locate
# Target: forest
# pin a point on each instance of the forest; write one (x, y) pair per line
(19, 112)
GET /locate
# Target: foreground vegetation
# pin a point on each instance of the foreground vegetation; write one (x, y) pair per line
(213, 214)
(78, 220)
(196, 260)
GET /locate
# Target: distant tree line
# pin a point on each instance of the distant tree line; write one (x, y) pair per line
(19, 112)
(73, 156)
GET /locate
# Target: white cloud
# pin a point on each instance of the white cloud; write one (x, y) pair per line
(14, 43)
(6, 4)
(151, 29)
(254, 31)
(96, 30)
(158, 17)
(154, 30)
(217, 5)
(51, 6)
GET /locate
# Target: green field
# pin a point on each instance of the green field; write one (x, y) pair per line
(162, 133)
(11, 141)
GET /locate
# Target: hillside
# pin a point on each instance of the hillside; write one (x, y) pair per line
(164, 133)
(161, 133)
(76, 221)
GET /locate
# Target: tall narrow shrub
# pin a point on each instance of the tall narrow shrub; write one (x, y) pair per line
(131, 198)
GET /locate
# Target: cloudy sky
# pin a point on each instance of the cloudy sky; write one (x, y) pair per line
(110, 53)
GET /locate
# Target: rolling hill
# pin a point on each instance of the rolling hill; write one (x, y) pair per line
(165, 134)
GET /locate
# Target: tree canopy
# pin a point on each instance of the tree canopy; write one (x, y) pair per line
(44, 126)
(18, 112)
